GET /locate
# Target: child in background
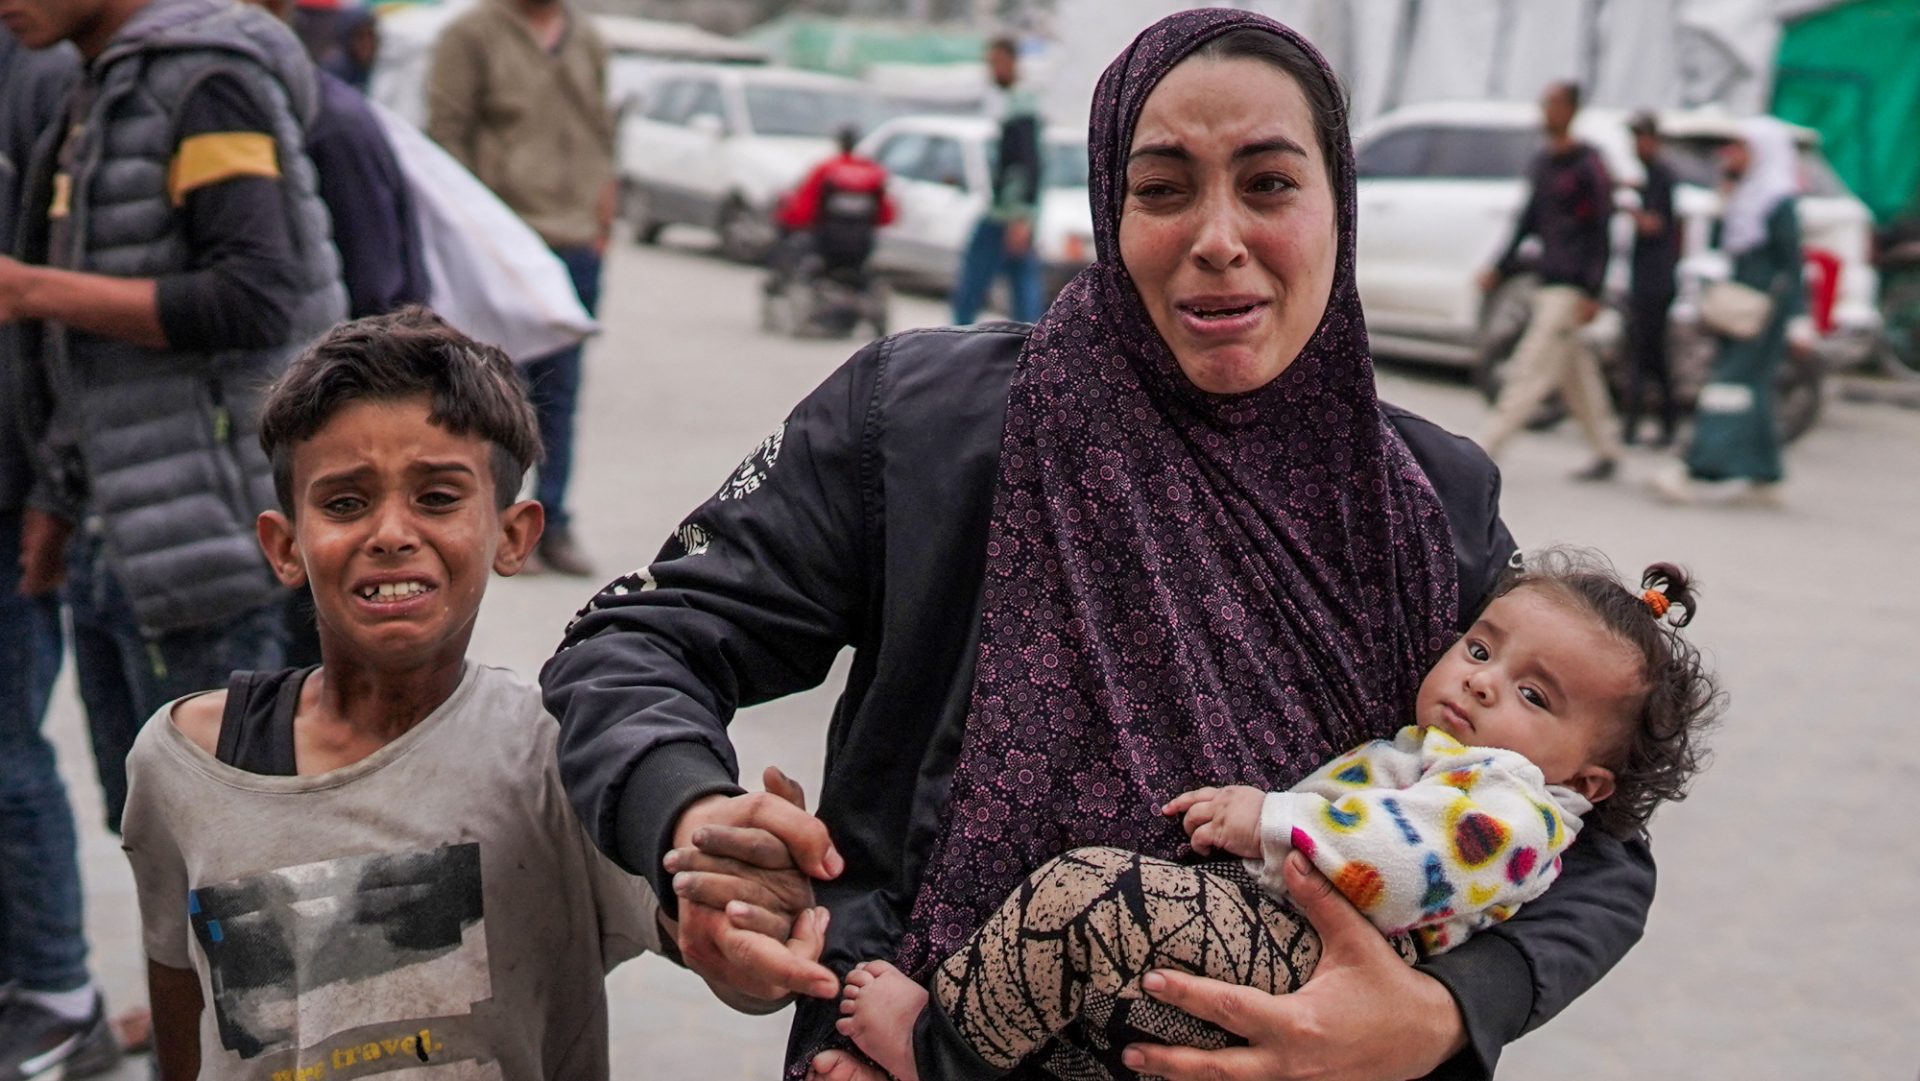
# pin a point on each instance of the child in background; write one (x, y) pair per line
(1570, 696)
(373, 860)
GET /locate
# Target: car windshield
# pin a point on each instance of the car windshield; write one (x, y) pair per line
(1449, 152)
(1482, 153)
(1064, 162)
(1696, 160)
(807, 111)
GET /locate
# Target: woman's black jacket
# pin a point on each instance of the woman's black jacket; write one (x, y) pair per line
(862, 522)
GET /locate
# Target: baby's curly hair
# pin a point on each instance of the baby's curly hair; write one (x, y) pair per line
(1663, 747)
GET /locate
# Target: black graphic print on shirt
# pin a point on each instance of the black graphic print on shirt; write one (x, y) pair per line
(350, 967)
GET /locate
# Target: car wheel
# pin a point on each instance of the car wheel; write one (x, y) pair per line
(745, 237)
(634, 207)
(1503, 319)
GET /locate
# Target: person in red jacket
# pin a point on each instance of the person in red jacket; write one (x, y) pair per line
(833, 213)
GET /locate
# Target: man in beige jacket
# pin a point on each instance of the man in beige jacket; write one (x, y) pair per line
(518, 93)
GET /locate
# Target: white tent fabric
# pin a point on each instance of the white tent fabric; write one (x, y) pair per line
(1626, 53)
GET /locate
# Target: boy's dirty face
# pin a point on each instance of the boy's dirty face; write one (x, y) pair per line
(395, 527)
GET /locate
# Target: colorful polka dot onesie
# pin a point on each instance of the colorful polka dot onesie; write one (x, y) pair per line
(1424, 834)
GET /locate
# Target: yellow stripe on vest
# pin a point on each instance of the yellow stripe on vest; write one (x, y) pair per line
(221, 155)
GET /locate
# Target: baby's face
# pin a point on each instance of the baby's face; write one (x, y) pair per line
(1537, 676)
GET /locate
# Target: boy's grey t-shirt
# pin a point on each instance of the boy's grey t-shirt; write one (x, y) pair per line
(436, 904)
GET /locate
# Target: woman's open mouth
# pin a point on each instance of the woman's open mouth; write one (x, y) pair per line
(1212, 314)
(1221, 315)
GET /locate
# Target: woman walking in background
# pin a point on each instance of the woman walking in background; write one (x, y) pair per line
(1734, 440)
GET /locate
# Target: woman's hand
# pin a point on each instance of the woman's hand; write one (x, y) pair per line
(742, 868)
(1365, 1015)
(1221, 819)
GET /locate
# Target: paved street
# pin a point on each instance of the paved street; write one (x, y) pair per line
(1782, 945)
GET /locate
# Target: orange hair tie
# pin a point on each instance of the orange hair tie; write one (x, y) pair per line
(1657, 602)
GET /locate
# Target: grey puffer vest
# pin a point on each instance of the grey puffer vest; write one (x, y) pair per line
(168, 439)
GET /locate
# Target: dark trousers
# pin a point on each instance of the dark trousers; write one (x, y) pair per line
(42, 941)
(553, 382)
(1648, 363)
(987, 258)
(125, 676)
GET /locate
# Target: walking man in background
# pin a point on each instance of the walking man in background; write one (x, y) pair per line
(1656, 250)
(1003, 239)
(1568, 208)
(518, 93)
(50, 1012)
(153, 322)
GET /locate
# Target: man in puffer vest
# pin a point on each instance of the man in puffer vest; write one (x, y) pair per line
(173, 256)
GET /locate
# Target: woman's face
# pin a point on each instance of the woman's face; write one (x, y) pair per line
(1228, 226)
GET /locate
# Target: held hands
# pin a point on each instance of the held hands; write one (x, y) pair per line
(1364, 1015)
(742, 870)
(1221, 819)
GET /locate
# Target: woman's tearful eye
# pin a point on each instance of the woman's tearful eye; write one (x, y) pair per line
(1148, 191)
(1271, 184)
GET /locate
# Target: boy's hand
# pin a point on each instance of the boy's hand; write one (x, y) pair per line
(1221, 819)
(742, 868)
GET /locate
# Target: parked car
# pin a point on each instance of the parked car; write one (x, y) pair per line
(717, 146)
(1441, 185)
(942, 169)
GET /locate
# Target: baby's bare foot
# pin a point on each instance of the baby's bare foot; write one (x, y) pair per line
(878, 1008)
(841, 1066)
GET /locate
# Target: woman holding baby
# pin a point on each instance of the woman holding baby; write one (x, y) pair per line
(1164, 539)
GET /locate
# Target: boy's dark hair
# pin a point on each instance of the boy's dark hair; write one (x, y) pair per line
(473, 386)
(1004, 43)
(1664, 746)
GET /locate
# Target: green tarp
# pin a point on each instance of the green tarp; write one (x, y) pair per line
(1852, 71)
(850, 46)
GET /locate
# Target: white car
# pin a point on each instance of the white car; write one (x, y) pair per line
(717, 146)
(941, 178)
(1441, 185)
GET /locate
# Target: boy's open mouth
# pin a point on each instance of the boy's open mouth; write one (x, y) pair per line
(389, 592)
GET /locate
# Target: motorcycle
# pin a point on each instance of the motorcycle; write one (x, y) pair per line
(808, 299)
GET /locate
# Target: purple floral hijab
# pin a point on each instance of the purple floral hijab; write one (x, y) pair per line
(1182, 588)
